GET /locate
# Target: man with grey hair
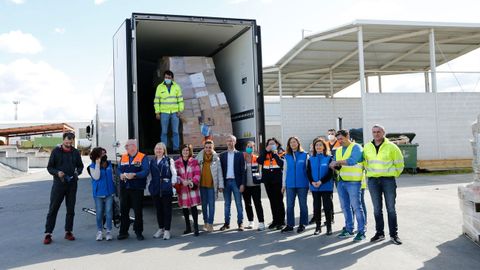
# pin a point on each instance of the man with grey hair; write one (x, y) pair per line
(234, 175)
(383, 163)
(133, 171)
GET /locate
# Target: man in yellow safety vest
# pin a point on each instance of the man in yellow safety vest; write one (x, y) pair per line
(383, 162)
(168, 104)
(349, 165)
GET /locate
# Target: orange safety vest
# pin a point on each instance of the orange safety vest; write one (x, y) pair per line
(270, 162)
(137, 160)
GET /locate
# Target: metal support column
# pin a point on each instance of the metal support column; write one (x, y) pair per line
(427, 85)
(361, 69)
(331, 83)
(433, 62)
(379, 83)
(280, 93)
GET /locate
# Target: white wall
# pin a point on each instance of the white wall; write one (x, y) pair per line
(308, 118)
(415, 112)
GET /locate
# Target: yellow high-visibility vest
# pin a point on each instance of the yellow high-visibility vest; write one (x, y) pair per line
(168, 102)
(387, 163)
(349, 173)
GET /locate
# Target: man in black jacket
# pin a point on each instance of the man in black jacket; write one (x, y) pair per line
(65, 164)
(234, 175)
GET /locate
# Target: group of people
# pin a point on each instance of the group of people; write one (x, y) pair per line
(332, 162)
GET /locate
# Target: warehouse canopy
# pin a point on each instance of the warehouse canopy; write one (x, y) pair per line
(35, 130)
(325, 63)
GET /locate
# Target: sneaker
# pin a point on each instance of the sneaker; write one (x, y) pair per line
(205, 227)
(99, 236)
(377, 237)
(140, 237)
(261, 226)
(300, 229)
(240, 227)
(287, 229)
(345, 234)
(108, 236)
(69, 236)
(122, 236)
(396, 240)
(224, 227)
(318, 230)
(166, 235)
(48, 239)
(359, 237)
(210, 228)
(272, 226)
(250, 225)
(158, 234)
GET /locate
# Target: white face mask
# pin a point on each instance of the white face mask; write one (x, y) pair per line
(331, 137)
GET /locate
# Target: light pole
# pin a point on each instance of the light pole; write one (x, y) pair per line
(16, 102)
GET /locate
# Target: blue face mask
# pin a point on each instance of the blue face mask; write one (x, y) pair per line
(249, 150)
(273, 147)
(168, 81)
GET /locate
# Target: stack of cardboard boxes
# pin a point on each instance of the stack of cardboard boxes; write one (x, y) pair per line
(207, 113)
(469, 195)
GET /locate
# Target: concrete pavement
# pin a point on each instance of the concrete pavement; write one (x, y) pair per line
(428, 213)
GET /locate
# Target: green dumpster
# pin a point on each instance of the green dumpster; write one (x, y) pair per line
(409, 150)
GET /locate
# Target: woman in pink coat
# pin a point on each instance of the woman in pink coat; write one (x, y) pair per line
(188, 175)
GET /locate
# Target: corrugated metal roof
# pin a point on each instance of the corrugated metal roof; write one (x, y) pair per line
(390, 47)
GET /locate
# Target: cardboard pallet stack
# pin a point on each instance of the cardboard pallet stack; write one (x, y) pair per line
(207, 113)
(470, 195)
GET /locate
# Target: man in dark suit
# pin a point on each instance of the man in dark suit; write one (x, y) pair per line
(234, 175)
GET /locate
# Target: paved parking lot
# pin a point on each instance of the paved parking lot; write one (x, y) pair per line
(429, 225)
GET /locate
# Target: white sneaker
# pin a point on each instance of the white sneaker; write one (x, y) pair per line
(166, 235)
(108, 236)
(261, 226)
(251, 224)
(99, 236)
(159, 233)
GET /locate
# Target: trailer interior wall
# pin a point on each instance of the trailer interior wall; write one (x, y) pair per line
(415, 112)
(230, 46)
(308, 118)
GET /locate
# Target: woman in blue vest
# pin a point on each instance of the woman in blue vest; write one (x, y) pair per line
(321, 184)
(163, 177)
(295, 183)
(103, 189)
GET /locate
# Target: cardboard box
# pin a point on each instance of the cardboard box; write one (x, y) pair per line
(201, 92)
(204, 103)
(198, 64)
(175, 64)
(197, 80)
(214, 88)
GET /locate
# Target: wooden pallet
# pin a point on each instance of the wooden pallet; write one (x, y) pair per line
(445, 164)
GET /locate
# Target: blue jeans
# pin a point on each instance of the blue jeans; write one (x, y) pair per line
(364, 207)
(165, 120)
(388, 187)
(104, 206)
(231, 187)
(302, 201)
(350, 198)
(208, 204)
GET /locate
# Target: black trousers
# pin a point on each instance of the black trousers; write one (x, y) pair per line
(61, 190)
(163, 205)
(255, 193)
(131, 198)
(324, 197)
(186, 214)
(275, 196)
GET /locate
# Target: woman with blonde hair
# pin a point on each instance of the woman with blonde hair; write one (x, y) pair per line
(163, 177)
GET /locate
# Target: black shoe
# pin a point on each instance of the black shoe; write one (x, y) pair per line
(312, 221)
(122, 236)
(225, 227)
(140, 237)
(187, 231)
(300, 229)
(318, 230)
(279, 227)
(287, 229)
(272, 226)
(329, 229)
(396, 240)
(377, 237)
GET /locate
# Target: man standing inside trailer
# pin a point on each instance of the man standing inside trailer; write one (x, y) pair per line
(168, 104)
(383, 163)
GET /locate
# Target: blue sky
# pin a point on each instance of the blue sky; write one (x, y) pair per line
(54, 55)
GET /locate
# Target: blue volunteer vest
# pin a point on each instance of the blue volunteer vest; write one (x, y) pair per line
(159, 173)
(319, 165)
(296, 170)
(103, 186)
